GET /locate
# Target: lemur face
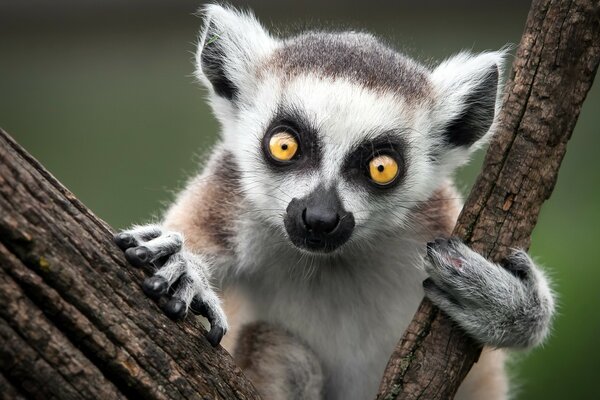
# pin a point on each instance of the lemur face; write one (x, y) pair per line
(338, 137)
(333, 158)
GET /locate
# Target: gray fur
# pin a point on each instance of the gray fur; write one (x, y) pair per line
(280, 365)
(165, 244)
(143, 233)
(498, 306)
(357, 56)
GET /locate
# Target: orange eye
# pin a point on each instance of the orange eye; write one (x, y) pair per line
(283, 146)
(383, 169)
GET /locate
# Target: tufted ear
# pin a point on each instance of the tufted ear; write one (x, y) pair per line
(468, 93)
(231, 44)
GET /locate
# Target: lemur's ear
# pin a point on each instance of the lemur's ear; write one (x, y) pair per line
(231, 43)
(468, 89)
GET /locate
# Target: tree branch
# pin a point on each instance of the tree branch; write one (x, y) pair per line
(553, 71)
(74, 323)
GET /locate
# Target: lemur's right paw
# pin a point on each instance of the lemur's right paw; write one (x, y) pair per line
(181, 275)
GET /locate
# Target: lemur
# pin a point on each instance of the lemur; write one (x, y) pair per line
(326, 204)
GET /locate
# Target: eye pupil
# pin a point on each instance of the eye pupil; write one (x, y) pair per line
(282, 146)
(383, 169)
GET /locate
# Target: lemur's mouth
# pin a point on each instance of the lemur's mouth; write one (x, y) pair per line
(318, 222)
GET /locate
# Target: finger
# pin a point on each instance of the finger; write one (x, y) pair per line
(155, 249)
(155, 286)
(209, 306)
(176, 308)
(125, 240)
(158, 285)
(137, 235)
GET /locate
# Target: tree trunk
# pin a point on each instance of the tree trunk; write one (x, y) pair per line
(74, 322)
(553, 71)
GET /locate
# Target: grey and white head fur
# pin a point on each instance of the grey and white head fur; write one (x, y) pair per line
(336, 150)
(348, 96)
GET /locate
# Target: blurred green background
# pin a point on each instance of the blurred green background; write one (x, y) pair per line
(101, 93)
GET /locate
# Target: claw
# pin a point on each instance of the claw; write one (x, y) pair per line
(155, 286)
(124, 240)
(138, 256)
(217, 331)
(215, 335)
(198, 307)
(175, 309)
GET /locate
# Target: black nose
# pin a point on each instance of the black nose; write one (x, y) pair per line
(320, 220)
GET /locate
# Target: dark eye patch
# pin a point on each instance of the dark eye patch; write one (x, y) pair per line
(356, 164)
(294, 121)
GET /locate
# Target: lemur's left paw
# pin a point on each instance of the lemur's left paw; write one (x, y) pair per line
(181, 276)
(504, 306)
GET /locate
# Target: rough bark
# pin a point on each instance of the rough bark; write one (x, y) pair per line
(74, 323)
(554, 69)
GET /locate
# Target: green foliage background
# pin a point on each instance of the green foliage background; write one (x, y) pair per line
(104, 98)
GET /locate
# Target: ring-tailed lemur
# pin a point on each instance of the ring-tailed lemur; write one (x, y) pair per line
(319, 214)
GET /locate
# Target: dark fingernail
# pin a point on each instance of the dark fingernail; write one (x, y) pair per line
(175, 309)
(155, 286)
(428, 283)
(138, 256)
(199, 307)
(124, 240)
(215, 335)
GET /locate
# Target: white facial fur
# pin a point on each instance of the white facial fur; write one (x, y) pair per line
(346, 114)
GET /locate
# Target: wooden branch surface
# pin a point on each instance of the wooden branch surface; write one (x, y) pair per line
(74, 323)
(554, 69)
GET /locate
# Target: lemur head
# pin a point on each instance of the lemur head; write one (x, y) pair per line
(337, 136)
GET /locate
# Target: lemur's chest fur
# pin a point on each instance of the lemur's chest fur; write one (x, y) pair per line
(362, 302)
